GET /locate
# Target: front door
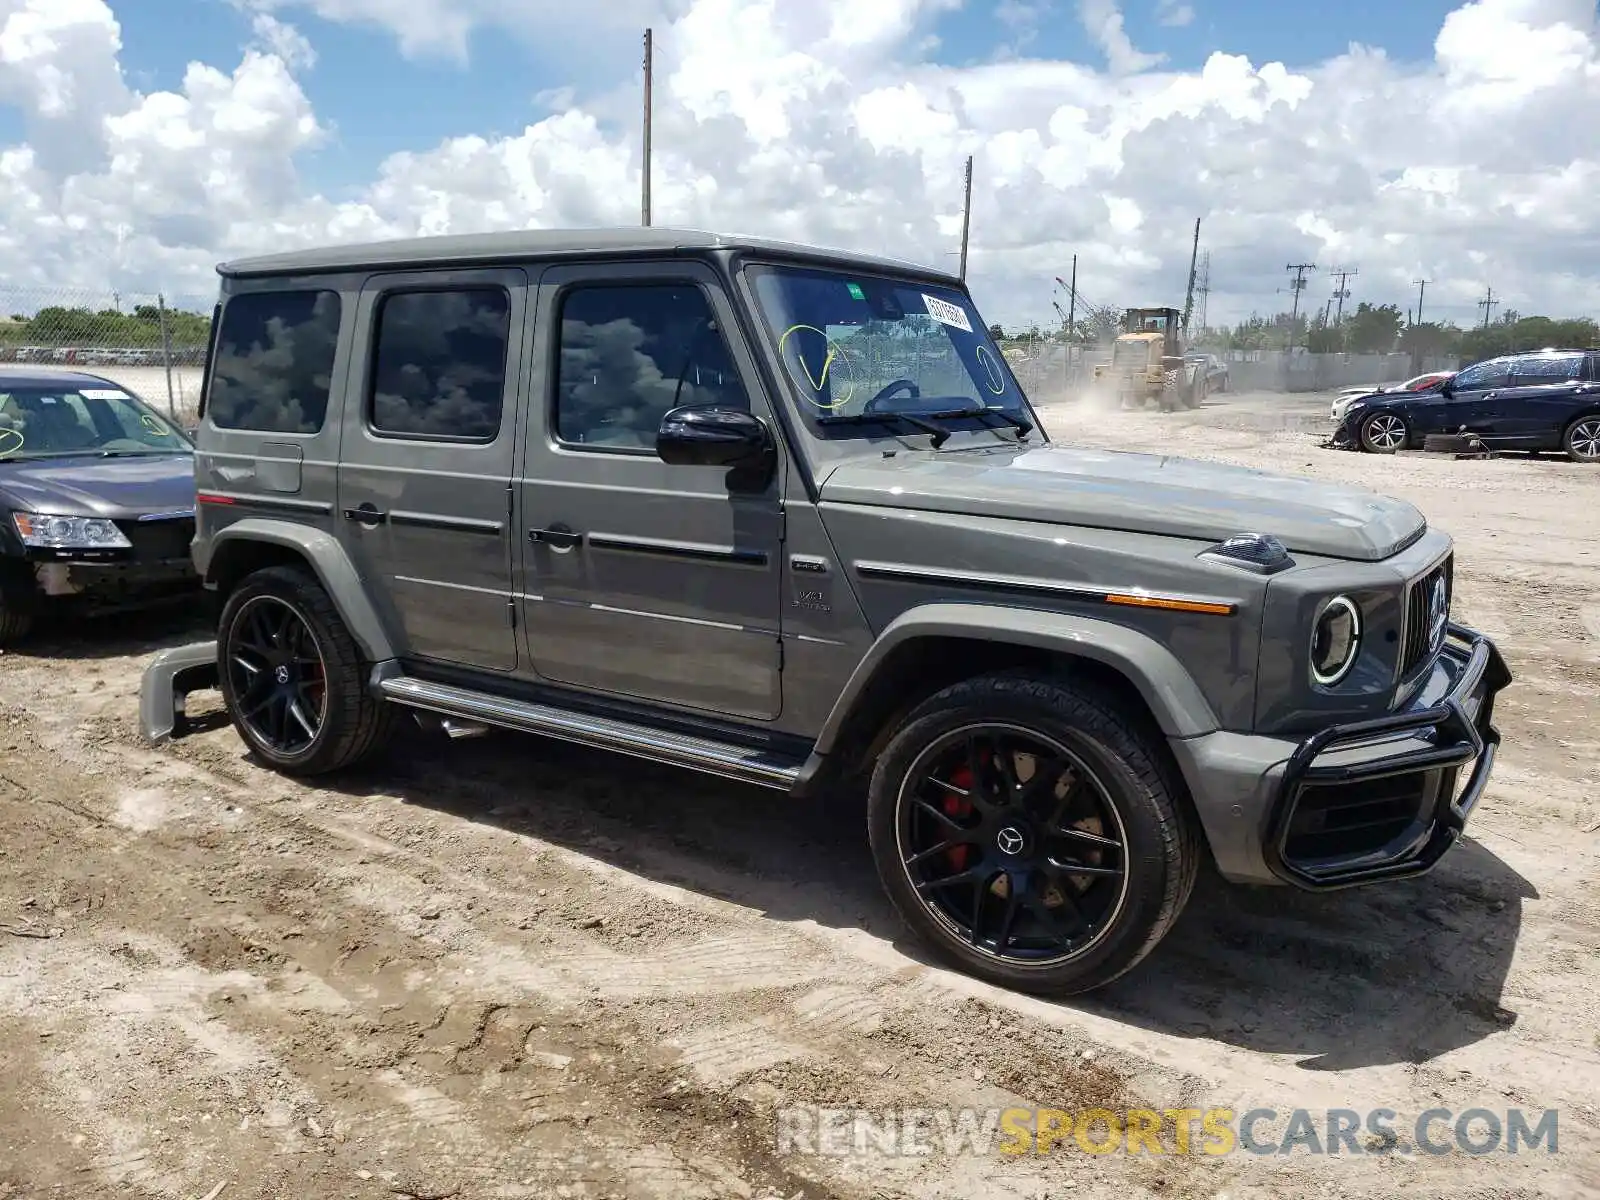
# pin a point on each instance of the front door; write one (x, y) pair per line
(425, 468)
(1471, 403)
(641, 579)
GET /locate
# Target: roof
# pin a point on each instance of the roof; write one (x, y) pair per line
(12, 375)
(469, 248)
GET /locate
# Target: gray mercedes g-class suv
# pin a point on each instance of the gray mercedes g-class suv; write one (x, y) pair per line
(784, 515)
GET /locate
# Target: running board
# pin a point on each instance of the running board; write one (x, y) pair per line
(744, 763)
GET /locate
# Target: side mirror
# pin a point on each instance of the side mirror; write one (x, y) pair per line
(1447, 389)
(713, 437)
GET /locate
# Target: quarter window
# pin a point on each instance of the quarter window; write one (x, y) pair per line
(273, 364)
(630, 354)
(439, 363)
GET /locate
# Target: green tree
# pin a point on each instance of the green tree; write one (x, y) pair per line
(1372, 328)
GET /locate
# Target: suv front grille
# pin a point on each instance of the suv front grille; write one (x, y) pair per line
(1415, 648)
(159, 541)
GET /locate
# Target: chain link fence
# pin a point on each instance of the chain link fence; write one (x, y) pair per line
(154, 344)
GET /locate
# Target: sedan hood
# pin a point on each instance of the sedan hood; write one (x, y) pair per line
(1139, 493)
(85, 486)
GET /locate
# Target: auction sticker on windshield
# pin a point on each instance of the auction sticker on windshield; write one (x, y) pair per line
(103, 394)
(946, 313)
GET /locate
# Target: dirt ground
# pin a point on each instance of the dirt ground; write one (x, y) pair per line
(508, 968)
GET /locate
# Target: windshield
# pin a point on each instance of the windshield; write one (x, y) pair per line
(71, 419)
(857, 345)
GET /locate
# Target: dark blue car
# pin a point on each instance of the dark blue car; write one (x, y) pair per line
(1541, 400)
(96, 498)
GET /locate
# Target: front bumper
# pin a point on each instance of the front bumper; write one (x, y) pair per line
(1360, 802)
(1343, 436)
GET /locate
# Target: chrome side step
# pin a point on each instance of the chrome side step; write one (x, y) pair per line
(743, 763)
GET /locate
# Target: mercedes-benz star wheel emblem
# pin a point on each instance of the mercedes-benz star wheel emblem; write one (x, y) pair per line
(1010, 840)
(281, 674)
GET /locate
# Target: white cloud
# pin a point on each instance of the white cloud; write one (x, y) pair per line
(1103, 21)
(802, 121)
(1174, 14)
(287, 42)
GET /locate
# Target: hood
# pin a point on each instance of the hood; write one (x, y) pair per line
(99, 487)
(1139, 493)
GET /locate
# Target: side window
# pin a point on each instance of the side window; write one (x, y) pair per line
(439, 363)
(1545, 369)
(1494, 373)
(272, 366)
(630, 353)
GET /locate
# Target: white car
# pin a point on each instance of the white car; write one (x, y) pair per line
(1417, 383)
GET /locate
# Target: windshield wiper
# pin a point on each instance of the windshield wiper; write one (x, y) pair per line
(1023, 427)
(938, 434)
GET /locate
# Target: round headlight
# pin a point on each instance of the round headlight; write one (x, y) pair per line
(1335, 640)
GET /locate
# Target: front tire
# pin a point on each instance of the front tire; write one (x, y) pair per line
(294, 679)
(17, 604)
(1582, 439)
(1029, 834)
(1384, 433)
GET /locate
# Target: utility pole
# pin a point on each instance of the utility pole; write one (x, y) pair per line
(1422, 286)
(1488, 304)
(644, 183)
(1204, 288)
(1297, 285)
(1188, 298)
(1072, 314)
(1342, 293)
(966, 219)
(1072, 297)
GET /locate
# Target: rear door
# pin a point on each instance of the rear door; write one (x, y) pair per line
(1545, 390)
(426, 459)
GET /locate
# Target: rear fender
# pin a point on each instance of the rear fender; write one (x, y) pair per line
(326, 558)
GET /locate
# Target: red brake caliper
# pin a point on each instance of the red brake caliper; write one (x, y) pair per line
(956, 807)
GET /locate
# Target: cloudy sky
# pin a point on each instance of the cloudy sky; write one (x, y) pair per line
(143, 140)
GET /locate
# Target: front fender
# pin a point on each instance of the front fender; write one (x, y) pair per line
(327, 559)
(1174, 699)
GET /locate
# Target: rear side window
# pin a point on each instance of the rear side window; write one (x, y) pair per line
(1539, 369)
(439, 363)
(272, 367)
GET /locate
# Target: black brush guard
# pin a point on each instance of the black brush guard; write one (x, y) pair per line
(1458, 730)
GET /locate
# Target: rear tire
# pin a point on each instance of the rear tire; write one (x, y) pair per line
(1105, 801)
(282, 644)
(1582, 439)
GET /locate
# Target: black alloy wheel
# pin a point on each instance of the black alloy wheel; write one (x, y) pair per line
(1012, 844)
(278, 676)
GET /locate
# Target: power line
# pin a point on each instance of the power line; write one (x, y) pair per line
(1488, 304)
(1298, 285)
(1342, 293)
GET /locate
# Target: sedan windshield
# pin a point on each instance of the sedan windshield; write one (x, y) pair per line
(59, 421)
(856, 346)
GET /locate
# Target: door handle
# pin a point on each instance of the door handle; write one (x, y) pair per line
(366, 514)
(557, 537)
